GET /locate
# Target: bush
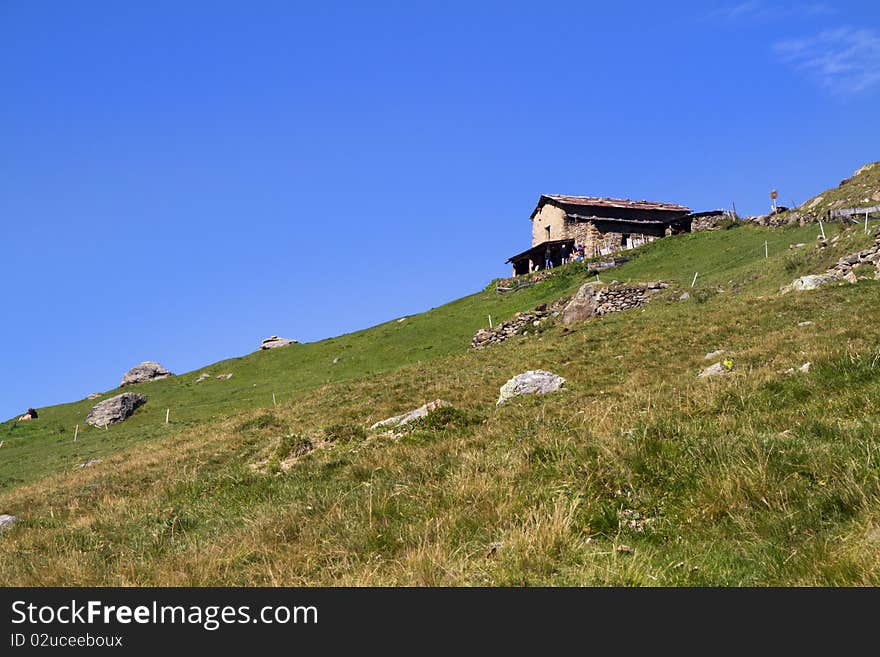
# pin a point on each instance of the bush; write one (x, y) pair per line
(261, 422)
(447, 417)
(292, 446)
(344, 432)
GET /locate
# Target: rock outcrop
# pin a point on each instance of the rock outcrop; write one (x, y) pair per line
(533, 382)
(115, 409)
(405, 418)
(592, 299)
(582, 305)
(7, 521)
(146, 371)
(274, 341)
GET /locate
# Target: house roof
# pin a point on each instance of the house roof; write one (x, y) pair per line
(539, 248)
(637, 222)
(604, 202)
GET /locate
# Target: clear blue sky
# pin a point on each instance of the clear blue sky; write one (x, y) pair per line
(180, 180)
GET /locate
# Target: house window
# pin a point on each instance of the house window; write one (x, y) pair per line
(547, 228)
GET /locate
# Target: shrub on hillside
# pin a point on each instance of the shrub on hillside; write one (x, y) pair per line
(261, 422)
(344, 432)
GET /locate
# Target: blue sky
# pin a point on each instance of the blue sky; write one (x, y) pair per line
(180, 180)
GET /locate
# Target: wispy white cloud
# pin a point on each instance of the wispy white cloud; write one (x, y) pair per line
(845, 60)
(762, 11)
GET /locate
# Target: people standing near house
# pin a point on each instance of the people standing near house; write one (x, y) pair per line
(548, 258)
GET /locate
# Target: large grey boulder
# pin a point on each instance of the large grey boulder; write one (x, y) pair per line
(146, 371)
(582, 305)
(810, 282)
(406, 418)
(7, 521)
(533, 382)
(115, 409)
(274, 341)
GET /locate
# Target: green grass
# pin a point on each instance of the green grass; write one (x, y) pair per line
(639, 473)
(46, 446)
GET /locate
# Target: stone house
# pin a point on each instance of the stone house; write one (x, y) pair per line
(601, 225)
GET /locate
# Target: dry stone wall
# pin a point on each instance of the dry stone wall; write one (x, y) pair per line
(591, 300)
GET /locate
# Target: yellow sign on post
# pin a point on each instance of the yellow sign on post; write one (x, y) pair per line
(774, 194)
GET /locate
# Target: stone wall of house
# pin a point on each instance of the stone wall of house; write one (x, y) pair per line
(710, 222)
(550, 217)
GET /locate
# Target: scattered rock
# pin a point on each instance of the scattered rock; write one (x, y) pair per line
(406, 418)
(90, 463)
(7, 521)
(714, 354)
(146, 371)
(805, 367)
(717, 369)
(336, 360)
(807, 323)
(625, 549)
(115, 409)
(799, 245)
(274, 341)
(203, 376)
(225, 377)
(537, 382)
(684, 296)
(95, 395)
(402, 319)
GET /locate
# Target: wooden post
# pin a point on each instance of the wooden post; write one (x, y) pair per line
(167, 413)
(274, 403)
(822, 228)
(75, 433)
(766, 252)
(490, 321)
(866, 223)
(693, 282)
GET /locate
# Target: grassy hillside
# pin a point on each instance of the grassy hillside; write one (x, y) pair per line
(638, 473)
(861, 190)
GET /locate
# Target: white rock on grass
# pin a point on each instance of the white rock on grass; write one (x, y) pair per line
(811, 282)
(273, 342)
(406, 418)
(115, 409)
(717, 369)
(7, 521)
(533, 382)
(146, 371)
(714, 354)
